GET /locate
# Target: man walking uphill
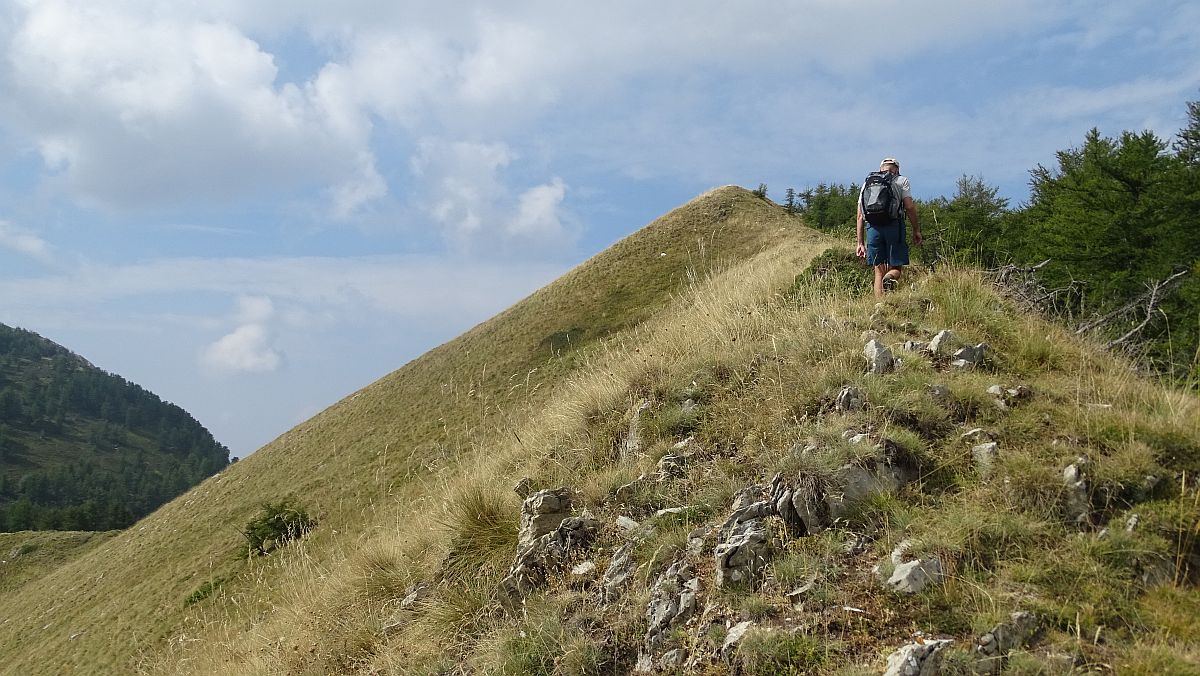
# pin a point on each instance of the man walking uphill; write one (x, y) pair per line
(883, 203)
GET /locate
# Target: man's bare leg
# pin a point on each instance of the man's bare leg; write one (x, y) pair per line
(881, 271)
(892, 274)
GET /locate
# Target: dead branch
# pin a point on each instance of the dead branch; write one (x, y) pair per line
(1150, 299)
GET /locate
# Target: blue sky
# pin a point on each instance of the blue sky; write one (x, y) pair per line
(253, 208)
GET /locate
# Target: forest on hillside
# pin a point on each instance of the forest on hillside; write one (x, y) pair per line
(83, 449)
(1112, 235)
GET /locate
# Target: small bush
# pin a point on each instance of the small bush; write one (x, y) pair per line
(276, 524)
(205, 590)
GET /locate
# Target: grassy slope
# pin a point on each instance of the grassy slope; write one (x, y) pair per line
(765, 358)
(350, 462)
(28, 555)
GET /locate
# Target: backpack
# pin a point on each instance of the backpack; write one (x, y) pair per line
(878, 200)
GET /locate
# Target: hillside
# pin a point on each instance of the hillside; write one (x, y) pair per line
(83, 449)
(744, 483)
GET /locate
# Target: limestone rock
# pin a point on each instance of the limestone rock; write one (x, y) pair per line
(631, 448)
(992, 649)
(879, 357)
(985, 457)
(541, 513)
(673, 600)
(1078, 500)
(547, 554)
(917, 659)
(943, 343)
(618, 571)
(524, 487)
(971, 356)
(743, 554)
(939, 393)
(914, 576)
(735, 635)
(850, 399)
(915, 346)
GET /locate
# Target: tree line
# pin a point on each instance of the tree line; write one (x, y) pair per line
(1117, 219)
(83, 449)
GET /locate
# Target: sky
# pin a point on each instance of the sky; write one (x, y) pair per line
(252, 208)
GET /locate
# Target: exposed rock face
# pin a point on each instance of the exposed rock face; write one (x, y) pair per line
(672, 601)
(743, 554)
(985, 457)
(545, 555)
(620, 567)
(992, 649)
(917, 659)
(971, 356)
(812, 503)
(735, 635)
(879, 358)
(541, 513)
(752, 502)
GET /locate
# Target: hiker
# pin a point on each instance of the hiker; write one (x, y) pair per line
(883, 202)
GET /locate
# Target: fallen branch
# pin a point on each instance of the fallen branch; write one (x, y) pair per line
(1150, 299)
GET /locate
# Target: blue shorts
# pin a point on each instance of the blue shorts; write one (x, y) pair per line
(886, 244)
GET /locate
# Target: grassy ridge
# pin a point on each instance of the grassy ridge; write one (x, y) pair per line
(353, 463)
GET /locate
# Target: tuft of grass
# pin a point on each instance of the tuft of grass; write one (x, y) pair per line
(766, 653)
(482, 523)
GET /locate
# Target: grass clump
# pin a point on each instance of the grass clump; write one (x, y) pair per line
(766, 653)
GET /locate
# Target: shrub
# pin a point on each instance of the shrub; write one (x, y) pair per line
(276, 524)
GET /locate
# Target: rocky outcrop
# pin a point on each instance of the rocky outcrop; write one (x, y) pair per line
(541, 513)
(880, 359)
(910, 577)
(544, 556)
(673, 599)
(971, 356)
(743, 553)
(922, 658)
(850, 399)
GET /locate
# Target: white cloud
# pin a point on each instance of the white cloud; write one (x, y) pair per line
(538, 217)
(246, 349)
(25, 243)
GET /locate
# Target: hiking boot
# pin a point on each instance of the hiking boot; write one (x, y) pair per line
(889, 283)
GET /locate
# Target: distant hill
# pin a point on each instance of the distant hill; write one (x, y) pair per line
(83, 449)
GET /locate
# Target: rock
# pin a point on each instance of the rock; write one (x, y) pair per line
(943, 343)
(813, 502)
(627, 524)
(917, 659)
(915, 346)
(618, 571)
(673, 600)
(673, 659)
(939, 393)
(736, 634)
(585, 569)
(850, 399)
(541, 513)
(668, 511)
(992, 649)
(743, 554)
(913, 577)
(1010, 396)
(985, 457)
(868, 335)
(631, 448)
(879, 358)
(697, 541)
(971, 356)
(524, 487)
(688, 405)
(547, 554)
(1132, 522)
(1078, 499)
(860, 438)
(752, 502)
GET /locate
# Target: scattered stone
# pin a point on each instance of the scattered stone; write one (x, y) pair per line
(673, 659)
(915, 346)
(736, 634)
(668, 511)
(879, 357)
(859, 438)
(917, 659)
(850, 399)
(1132, 522)
(541, 513)
(627, 524)
(943, 343)
(940, 393)
(914, 576)
(688, 405)
(985, 457)
(625, 493)
(585, 569)
(797, 595)
(813, 502)
(975, 434)
(697, 541)
(1010, 396)
(971, 357)
(524, 487)
(992, 649)
(752, 502)
(1078, 502)
(743, 554)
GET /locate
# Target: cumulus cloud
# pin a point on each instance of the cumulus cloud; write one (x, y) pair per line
(25, 243)
(248, 348)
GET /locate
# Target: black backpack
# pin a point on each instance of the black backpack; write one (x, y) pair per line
(878, 201)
